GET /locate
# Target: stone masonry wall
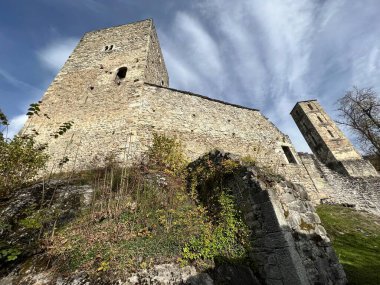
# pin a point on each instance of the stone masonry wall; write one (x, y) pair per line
(123, 124)
(290, 245)
(156, 71)
(361, 193)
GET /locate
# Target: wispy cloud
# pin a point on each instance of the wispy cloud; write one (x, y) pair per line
(54, 55)
(15, 82)
(15, 125)
(271, 54)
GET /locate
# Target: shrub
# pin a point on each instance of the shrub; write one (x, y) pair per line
(227, 239)
(167, 154)
(20, 159)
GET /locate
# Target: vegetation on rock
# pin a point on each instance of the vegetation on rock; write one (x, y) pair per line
(147, 214)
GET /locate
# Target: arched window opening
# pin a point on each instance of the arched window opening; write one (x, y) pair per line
(319, 118)
(310, 107)
(106, 48)
(111, 47)
(121, 74)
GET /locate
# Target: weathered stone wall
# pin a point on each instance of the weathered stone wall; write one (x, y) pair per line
(126, 126)
(328, 142)
(290, 245)
(155, 71)
(360, 193)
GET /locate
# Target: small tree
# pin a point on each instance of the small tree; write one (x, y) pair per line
(360, 110)
(20, 158)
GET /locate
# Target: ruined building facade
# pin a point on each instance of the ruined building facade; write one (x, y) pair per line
(115, 89)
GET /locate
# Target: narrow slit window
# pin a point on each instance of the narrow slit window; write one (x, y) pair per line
(319, 118)
(314, 140)
(106, 48)
(310, 107)
(111, 47)
(288, 154)
(121, 73)
(331, 134)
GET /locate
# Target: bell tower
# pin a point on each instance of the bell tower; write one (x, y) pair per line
(328, 142)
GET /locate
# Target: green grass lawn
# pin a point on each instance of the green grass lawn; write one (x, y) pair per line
(356, 240)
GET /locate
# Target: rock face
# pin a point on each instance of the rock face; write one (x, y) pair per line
(162, 274)
(29, 212)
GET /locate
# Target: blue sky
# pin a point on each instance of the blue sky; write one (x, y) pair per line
(261, 54)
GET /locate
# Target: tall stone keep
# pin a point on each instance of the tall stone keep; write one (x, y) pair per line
(328, 142)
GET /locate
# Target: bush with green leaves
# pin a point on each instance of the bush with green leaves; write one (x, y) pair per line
(167, 154)
(226, 239)
(20, 158)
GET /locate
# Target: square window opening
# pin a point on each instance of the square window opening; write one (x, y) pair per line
(289, 155)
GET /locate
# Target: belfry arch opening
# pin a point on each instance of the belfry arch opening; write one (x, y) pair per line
(121, 74)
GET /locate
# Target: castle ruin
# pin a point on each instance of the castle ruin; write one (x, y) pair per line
(114, 87)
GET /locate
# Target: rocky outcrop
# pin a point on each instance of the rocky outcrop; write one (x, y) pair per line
(29, 212)
(161, 274)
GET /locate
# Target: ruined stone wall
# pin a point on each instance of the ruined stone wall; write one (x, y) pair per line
(122, 123)
(358, 192)
(290, 246)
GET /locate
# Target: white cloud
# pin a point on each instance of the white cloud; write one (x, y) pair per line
(54, 55)
(15, 125)
(271, 54)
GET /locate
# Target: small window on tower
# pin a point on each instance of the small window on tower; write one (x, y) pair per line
(331, 134)
(310, 107)
(314, 140)
(106, 48)
(319, 118)
(121, 73)
(288, 154)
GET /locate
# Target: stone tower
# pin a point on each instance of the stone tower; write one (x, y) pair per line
(98, 89)
(328, 142)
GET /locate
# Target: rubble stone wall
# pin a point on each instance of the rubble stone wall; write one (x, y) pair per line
(290, 246)
(358, 192)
